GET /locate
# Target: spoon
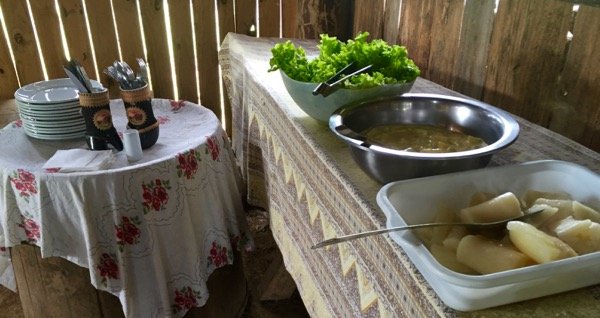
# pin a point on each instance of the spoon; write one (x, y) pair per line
(143, 74)
(469, 226)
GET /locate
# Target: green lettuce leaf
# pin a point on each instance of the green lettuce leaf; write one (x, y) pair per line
(390, 63)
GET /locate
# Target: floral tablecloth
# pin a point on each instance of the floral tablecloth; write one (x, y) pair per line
(150, 232)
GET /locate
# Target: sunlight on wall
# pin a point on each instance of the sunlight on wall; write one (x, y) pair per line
(37, 41)
(170, 48)
(63, 36)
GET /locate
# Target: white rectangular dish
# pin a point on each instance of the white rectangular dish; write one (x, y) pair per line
(418, 200)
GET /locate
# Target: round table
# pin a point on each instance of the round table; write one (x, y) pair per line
(150, 232)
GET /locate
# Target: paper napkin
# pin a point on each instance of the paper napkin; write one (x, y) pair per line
(79, 160)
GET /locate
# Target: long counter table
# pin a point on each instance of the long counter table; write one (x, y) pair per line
(298, 170)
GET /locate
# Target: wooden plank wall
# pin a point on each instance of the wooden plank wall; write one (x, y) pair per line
(116, 33)
(516, 56)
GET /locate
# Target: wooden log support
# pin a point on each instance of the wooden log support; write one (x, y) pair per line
(277, 283)
(54, 287)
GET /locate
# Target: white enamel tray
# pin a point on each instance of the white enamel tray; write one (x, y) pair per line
(418, 200)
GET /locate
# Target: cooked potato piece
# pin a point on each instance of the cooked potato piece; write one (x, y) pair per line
(531, 195)
(424, 234)
(541, 247)
(543, 217)
(447, 258)
(499, 208)
(582, 235)
(487, 256)
(454, 236)
(480, 197)
(565, 209)
(582, 212)
(439, 233)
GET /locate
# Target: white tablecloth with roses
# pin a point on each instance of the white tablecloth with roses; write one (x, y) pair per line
(150, 232)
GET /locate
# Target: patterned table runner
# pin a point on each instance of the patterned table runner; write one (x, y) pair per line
(298, 170)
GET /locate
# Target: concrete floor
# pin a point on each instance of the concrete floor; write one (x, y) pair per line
(255, 263)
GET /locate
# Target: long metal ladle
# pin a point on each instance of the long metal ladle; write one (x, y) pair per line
(469, 226)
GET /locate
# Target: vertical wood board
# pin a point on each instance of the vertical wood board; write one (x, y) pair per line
(415, 31)
(153, 21)
(104, 38)
(339, 18)
(445, 37)
(22, 39)
(269, 17)
(289, 17)
(544, 54)
(129, 28)
(309, 19)
(8, 77)
(225, 9)
(580, 81)
(73, 20)
(391, 21)
(368, 17)
(48, 30)
(245, 16)
(526, 56)
(183, 50)
(226, 25)
(470, 66)
(503, 55)
(206, 46)
(316, 17)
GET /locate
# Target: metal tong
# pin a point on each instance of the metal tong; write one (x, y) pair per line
(330, 85)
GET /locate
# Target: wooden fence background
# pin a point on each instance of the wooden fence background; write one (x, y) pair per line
(536, 58)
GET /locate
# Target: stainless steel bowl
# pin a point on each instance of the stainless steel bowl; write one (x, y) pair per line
(496, 127)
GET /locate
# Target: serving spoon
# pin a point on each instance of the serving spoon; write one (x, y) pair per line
(470, 226)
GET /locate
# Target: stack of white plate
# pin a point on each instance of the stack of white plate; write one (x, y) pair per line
(50, 109)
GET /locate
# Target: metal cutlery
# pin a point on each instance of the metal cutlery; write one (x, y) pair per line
(472, 226)
(76, 72)
(123, 74)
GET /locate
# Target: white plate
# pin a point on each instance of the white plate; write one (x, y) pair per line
(51, 118)
(49, 107)
(51, 91)
(58, 113)
(55, 137)
(54, 124)
(399, 201)
(53, 130)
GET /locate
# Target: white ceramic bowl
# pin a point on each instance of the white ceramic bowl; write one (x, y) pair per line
(321, 108)
(418, 200)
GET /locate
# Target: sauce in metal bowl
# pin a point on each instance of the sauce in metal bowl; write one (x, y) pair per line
(421, 138)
